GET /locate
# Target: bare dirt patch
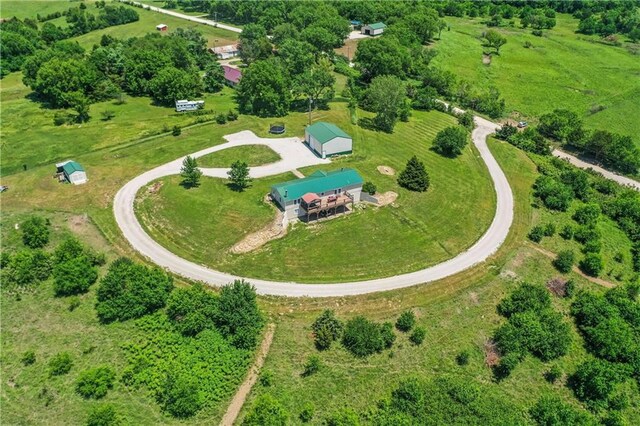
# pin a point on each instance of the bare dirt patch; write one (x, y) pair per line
(78, 223)
(386, 170)
(153, 189)
(558, 286)
(388, 197)
(491, 355)
(276, 229)
(486, 59)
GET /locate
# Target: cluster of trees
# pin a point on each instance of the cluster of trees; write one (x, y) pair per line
(610, 17)
(22, 38)
(609, 323)
(75, 268)
(165, 68)
(31, 265)
(532, 326)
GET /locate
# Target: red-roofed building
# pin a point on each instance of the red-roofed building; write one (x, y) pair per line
(232, 75)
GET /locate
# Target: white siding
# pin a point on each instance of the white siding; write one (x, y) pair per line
(337, 146)
(78, 178)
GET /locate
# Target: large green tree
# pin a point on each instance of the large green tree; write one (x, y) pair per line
(451, 141)
(264, 91)
(190, 172)
(316, 82)
(382, 56)
(74, 276)
(172, 84)
(414, 177)
(239, 175)
(495, 40)
(238, 316)
(35, 232)
(387, 97)
(254, 44)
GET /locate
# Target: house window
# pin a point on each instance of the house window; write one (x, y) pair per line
(339, 190)
(295, 202)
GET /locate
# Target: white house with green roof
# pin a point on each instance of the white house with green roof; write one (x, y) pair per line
(319, 193)
(327, 139)
(373, 29)
(72, 172)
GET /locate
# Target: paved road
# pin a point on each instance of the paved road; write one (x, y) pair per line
(622, 180)
(190, 18)
(294, 155)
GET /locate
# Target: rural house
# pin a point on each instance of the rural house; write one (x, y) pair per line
(373, 29)
(232, 75)
(162, 27)
(226, 52)
(72, 172)
(321, 193)
(327, 139)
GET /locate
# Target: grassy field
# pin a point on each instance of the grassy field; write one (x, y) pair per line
(562, 69)
(30, 8)
(420, 229)
(253, 155)
(458, 314)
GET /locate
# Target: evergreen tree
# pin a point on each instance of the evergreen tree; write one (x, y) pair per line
(239, 175)
(190, 172)
(414, 177)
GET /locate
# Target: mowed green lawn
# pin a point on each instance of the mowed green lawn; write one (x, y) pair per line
(562, 69)
(253, 155)
(420, 229)
(30, 8)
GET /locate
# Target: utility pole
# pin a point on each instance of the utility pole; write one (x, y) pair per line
(309, 109)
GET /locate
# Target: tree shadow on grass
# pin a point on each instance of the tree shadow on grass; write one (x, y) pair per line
(236, 188)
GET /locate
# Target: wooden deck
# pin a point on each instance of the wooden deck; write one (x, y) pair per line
(328, 205)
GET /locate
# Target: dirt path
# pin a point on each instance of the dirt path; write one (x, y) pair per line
(274, 230)
(577, 270)
(238, 400)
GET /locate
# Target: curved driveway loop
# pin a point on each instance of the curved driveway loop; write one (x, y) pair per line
(294, 154)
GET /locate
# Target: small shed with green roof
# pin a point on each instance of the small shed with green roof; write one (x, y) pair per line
(373, 29)
(72, 172)
(321, 189)
(327, 139)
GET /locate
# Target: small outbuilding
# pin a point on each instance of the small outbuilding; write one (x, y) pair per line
(327, 139)
(373, 29)
(321, 193)
(232, 75)
(226, 52)
(162, 27)
(71, 172)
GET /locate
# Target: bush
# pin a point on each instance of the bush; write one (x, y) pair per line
(74, 276)
(307, 412)
(587, 214)
(536, 234)
(466, 120)
(406, 321)
(103, 415)
(369, 188)
(549, 230)
(130, 290)
(35, 232)
(414, 177)
(388, 336)
(564, 261)
(28, 358)
(567, 232)
(418, 335)
(553, 374)
(74, 302)
(60, 364)
(27, 267)
(326, 329)
(180, 395)
(462, 358)
(232, 115)
(524, 298)
(551, 410)
(583, 234)
(176, 131)
(239, 318)
(451, 141)
(592, 246)
(312, 365)
(592, 264)
(192, 309)
(95, 383)
(221, 118)
(554, 194)
(266, 378)
(594, 381)
(506, 365)
(362, 337)
(506, 131)
(266, 410)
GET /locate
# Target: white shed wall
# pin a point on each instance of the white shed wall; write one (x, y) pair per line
(78, 178)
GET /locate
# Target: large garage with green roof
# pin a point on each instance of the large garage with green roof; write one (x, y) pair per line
(327, 139)
(318, 195)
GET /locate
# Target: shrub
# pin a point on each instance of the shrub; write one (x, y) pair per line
(587, 214)
(176, 131)
(74, 276)
(369, 188)
(307, 412)
(74, 302)
(536, 234)
(27, 267)
(192, 309)
(594, 380)
(506, 131)
(462, 358)
(549, 230)
(131, 290)
(107, 115)
(526, 297)
(221, 118)
(506, 365)
(103, 415)
(418, 335)
(362, 337)
(537, 33)
(232, 115)
(312, 365)
(406, 321)
(567, 232)
(95, 383)
(553, 374)
(414, 177)
(266, 410)
(28, 358)
(388, 336)
(592, 264)
(5, 259)
(266, 378)
(451, 141)
(180, 395)
(586, 233)
(466, 120)
(551, 410)
(238, 316)
(60, 364)
(554, 194)
(326, 329)
(35, 232)
(68, 249)
(564, 261)
(592, 246)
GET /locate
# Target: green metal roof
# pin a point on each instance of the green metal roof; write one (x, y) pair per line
(324, 132)
(317, 182)
(72, 167)
(377, 26)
